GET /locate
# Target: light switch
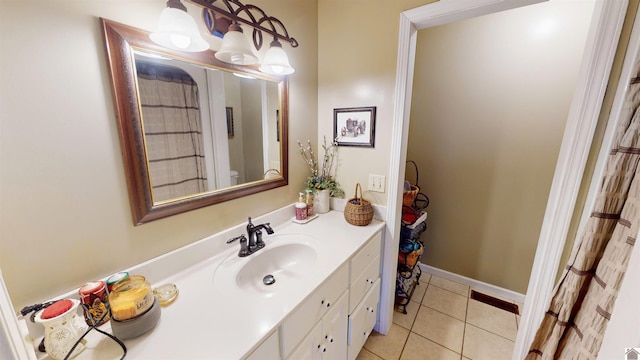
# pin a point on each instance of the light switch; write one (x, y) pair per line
(376, 183)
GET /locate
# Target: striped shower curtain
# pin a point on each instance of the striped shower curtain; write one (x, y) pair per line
(173, 131)
(583, 300)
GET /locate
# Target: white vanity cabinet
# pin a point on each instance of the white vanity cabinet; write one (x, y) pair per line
(364, 294)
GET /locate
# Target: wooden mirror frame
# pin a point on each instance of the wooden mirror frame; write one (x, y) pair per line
(120, 41)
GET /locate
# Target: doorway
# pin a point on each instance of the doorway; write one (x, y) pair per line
(491, 99)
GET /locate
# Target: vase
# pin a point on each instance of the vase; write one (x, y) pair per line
(321, 202)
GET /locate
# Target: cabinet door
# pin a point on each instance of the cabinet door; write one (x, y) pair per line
(310, 348)
(317, 305)
(334, 326)
(362, 320)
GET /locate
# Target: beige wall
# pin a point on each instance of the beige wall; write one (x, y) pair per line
(490, 100)
(64, 209)
(358, 49)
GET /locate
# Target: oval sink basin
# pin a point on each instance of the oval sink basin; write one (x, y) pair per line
(283, 262)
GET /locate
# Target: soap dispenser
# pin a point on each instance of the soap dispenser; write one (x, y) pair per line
(309, 203)
(301, 208)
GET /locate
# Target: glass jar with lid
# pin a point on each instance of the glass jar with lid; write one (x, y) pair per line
(130, 297)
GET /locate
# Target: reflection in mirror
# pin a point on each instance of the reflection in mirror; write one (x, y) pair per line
(194, 131)
(205, 129)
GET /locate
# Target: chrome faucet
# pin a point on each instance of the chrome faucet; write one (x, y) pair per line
(253, 241)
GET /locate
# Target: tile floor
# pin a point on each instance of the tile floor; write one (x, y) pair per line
(443, 323)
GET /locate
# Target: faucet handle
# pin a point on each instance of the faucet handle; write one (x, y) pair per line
(244, 248)
(234, 239)
(259, 241)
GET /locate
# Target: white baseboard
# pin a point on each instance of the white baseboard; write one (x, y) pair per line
(474, 284)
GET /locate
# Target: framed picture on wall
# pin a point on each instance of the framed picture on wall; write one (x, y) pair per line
(355, 126)
(229, 122)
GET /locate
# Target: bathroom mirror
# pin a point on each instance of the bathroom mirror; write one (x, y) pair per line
(194, 131)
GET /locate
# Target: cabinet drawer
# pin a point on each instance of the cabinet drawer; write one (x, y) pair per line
(363, 258)
(362, 321)
(268, 350)
(301, 320)
(362, 284)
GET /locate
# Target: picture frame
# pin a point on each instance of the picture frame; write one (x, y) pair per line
(355, 126)
(229, 111)
(278, 125)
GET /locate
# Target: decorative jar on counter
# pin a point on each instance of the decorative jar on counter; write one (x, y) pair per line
(62, 328)
(130, 297)
(94, 296)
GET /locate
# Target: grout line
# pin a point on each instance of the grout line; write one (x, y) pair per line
(491, 332)
(407, 339)
(464, 330)
(453, 292)
(432, 341)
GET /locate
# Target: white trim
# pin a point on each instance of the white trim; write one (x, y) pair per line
(12, 342)
(632, 53)
(404, 83)
(583, 116)
(484, 287)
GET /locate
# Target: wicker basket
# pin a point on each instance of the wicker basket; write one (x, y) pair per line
(411, 258)
(358, 211)
(409, 196)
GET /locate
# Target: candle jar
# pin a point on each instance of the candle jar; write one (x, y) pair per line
(130, 297)
(94, 296)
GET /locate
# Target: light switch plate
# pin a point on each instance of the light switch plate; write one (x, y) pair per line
(376, 183)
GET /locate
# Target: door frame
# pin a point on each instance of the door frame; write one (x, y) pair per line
(584, 112)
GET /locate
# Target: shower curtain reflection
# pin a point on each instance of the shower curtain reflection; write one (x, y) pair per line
(173, 131)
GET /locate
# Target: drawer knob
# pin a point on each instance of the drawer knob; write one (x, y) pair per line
(330, 339)
(325, 303)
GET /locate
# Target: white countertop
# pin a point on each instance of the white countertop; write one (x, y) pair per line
(205, 322)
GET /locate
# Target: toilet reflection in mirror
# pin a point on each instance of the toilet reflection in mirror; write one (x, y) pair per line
(185, 127)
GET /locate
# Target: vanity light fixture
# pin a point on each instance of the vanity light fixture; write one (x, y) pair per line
(276, 61)
(225, 20)
(177, 30)
(236, 48)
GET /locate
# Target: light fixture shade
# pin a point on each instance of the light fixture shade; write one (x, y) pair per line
(276, 61)
(178, 31)
(236, 48)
